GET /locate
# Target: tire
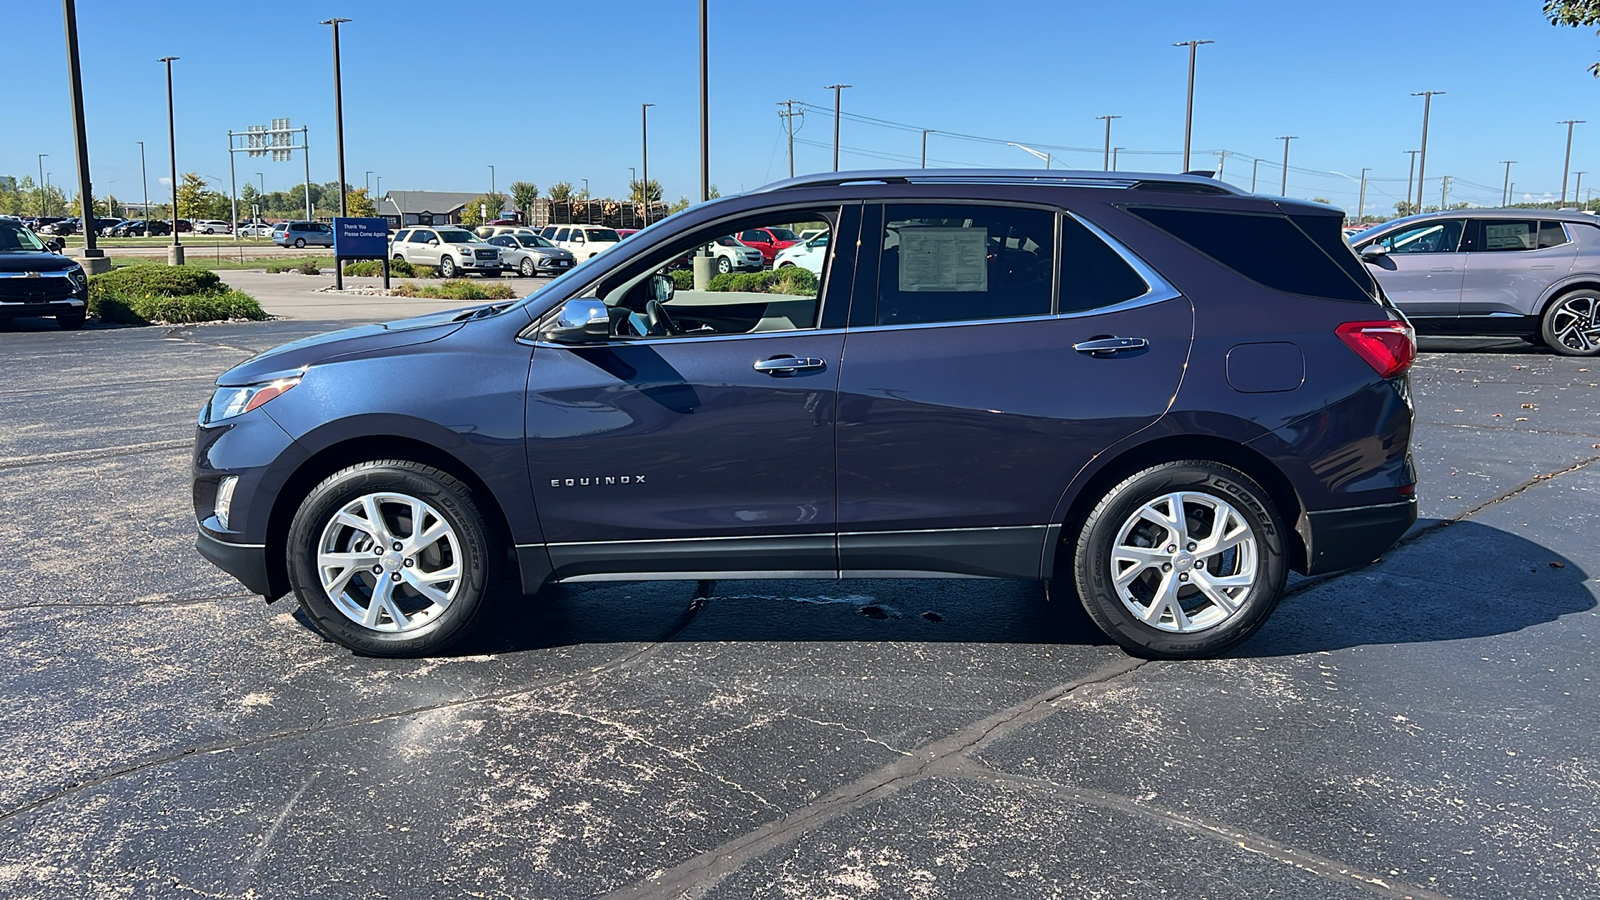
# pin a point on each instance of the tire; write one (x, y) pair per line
(526, 268)
(724, 265)
(398, 258)
(1188, 623)
(458, 537)
(71, 321)
(1571, 326)
(299, 243)
(447, 267)
(786, 265)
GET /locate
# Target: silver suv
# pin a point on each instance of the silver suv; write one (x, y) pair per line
(451, 250)
(1532, 274)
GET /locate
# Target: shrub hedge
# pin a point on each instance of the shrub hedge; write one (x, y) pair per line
(398, 268)
(456, 289)
(793, 280)
(683, 279)
(143, 295)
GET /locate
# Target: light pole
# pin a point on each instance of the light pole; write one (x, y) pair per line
(93, 257)
(1114, 151)
(1409, 175)
(1188, 116)
(369, 184)
(491, 180)
(380, 185)
(1505, 192)
(705, 114)
(1030, 150)
(1567, 166)
(644, 155)
(41, 183)
(836, 88)
(175, 252)
(144, 181)
(1108, 139)
(1422, 159)
(925, 133)
(1283, 191)
(1255, 167)
(1361, 204)
(338, 107)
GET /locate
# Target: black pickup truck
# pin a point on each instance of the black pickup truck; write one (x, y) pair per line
(36, 281)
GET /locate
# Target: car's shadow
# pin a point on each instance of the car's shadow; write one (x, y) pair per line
(1508, 345)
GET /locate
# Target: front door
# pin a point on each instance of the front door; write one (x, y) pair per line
(1424, 267)
(698, 440)
(964, 409)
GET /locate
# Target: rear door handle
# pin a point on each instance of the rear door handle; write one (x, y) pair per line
(1102, 348)
(788, 365)
(1442, 269)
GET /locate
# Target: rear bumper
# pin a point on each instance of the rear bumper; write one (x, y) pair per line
(1345, 538)
(246, 562)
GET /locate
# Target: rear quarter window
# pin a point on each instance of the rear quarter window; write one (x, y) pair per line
(1272, 250)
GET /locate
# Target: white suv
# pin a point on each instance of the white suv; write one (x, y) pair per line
(583, 241)
(451, 250)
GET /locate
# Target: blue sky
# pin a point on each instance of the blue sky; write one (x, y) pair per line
(437, 92)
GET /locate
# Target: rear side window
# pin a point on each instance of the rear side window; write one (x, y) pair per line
(1501, 235)
(1092, 274)
(1551, 234)
(1268, 249)
(959, 262)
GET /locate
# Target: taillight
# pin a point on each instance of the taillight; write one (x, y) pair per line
(1388, 346)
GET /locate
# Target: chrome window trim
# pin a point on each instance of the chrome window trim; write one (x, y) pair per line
(1147, 299)
(679, 339)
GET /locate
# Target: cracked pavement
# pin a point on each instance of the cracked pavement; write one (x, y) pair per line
(1422, 727)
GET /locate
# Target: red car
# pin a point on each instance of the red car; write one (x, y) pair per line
(769, 241)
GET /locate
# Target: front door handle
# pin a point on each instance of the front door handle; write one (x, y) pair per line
(1103, 348)
(788, 365)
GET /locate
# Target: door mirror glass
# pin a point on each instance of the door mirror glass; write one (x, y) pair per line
(580, 322)
(1374, 251)
(662, 288)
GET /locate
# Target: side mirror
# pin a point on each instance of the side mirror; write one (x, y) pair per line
(1374, 252)
(662, 288)
(580, 322)
(433, 242)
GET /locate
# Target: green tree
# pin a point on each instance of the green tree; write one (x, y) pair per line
(678, 205)
(483, 209)
(1574, 14)
(195, 201)
(1320, 200)
(1405, 208)
(640, 192)
(561, 191)
(358, 204)
(712, 193)
(524, 193)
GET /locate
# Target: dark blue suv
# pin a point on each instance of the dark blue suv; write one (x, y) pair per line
(1154, 391)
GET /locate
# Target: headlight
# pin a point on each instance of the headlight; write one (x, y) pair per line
(228, 402)
(76, 276)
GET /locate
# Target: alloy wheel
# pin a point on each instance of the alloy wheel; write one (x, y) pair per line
(1184, 562)
(1575, 323)
(389, 562)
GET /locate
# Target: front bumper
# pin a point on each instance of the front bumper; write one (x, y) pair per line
(1345, 538)
(246, 562)
(19, 309)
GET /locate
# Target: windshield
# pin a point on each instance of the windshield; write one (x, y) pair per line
(457, 237)
(532, 240)
(602, 234)
(14, 238)
(728, 241)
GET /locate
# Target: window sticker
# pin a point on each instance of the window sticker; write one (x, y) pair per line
(1508, 236)
(946, 260)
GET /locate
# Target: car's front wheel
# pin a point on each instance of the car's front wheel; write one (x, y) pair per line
(1181, 560)
(1571, 326)
(71, 320)
(527, 267)
(724, 265)
(300, 243)
(393, 558)
(447, 267)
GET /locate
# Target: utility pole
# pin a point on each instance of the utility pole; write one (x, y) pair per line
(925, 133)
(1505, 192)
(41, 182)
(788, 115)
(1188, 116)
(144, 181)
(1222, 161)
(1108, 139)
(1284, 191)
(1255, 166)
(338, 108)
(644, 155)
(1577, 189)
(1422, 161)
(836, 88)
(1114, 151)
(175, 252)
(1410, 173)
(1567, 166)
(1444, 193)
(1361, 204)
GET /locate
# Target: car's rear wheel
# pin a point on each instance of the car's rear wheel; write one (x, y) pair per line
(393, 558)
(527, 267)
(447, 267)
(398, 258)
(1571, 326)
(71, 320)
(1181, 560)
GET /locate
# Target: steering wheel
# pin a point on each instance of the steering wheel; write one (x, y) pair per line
(660, 323)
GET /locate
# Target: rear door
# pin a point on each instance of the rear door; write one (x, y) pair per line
(1510, 264)
(1424, 267)
(964, 409)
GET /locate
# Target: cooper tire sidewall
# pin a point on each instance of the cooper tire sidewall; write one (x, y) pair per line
(1092, 568)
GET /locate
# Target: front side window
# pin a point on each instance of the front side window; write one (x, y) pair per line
(959, 262)
(562, 234)
(1442, 236)
(754, 237)
(421, 236)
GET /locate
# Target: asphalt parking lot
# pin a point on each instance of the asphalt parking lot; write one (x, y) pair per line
(1423, 727)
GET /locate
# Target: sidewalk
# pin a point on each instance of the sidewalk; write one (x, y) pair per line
(294, 296)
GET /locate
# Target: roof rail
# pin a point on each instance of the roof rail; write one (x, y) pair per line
(1193, 184)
